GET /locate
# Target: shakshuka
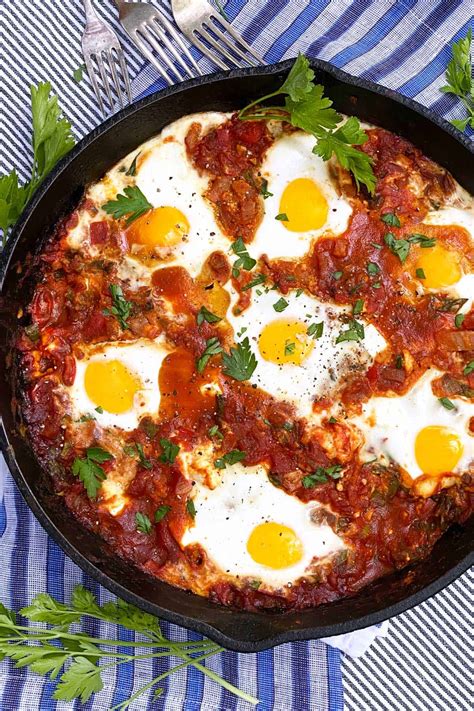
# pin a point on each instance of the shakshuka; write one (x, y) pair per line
(252, 379)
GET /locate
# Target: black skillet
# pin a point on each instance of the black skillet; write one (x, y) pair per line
(92, 157)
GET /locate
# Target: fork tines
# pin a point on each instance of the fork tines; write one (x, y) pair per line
(105, 63)
(212, 34)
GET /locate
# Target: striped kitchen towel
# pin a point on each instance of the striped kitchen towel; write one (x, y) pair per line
(402, 44)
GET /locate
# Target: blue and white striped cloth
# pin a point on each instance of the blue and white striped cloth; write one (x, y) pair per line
(404, 45)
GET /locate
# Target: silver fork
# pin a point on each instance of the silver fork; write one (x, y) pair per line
(100, 43)
(199, 21)
(152, 32)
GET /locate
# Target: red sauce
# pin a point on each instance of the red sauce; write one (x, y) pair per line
(385, 524)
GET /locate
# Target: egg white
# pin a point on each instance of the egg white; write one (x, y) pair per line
(390, 425)
(243, 499)
(143, 358)
(291, 157)
(328, 364)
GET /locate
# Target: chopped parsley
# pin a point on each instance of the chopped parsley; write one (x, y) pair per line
(232, 457)
(399, 362)
(161, 512)
(206, 315)
(446, 402)
(240, 363)
(289, 348)
(390, 219)
(372, 268)
(358, 307)
(420, 273)
(336, 275)
(282, 216)
(132, 205)
(89, 470)
(264, 189)
(214, 431)
(190, 508)
(399, 247)
(469, 368)
(459, 320)
(280, 305)
(143, 523)
(259, 279)
(132, 171)
(136, 449)
(354, 332)
(320, 476)
(424, 241)
(170, 451)
(451, 306)
(120, 308)
(315, 329)
(213, 347)
(78, 73)
(244, 261)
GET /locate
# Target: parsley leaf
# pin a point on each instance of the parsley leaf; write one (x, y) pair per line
(422, 240)
(89, 470)
(399, 247)
(289, 348)
(206, 315)
(240, 363)
(161, 512)
(460, 82)
(121, 307)
(358, 307)
(469, 368)
(170, 451)
(336, 275)
(190, 508)
(372, 268)
(420, 273)
(132, 204)
(80, 680)
(143, 523)
(214, 431)
(315, 329)
(390, 219)
(78, 73)
(136, 449)
(52, 139)
(320, 476)
(307, 108)
(232, 457)
(282, 216)
(280, 305)
(459, 320)
(259, 279)
(132, 171)
(213, 347)
(354, 332)
(244, 261)
(446, 402)
(264, 189)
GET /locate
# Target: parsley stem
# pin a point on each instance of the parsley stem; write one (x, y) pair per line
(243, 111)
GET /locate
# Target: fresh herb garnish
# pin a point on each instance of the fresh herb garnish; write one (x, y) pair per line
(121, 307)
(399, 362)
(99, 409)
(336, 275)
(424, 241)
(206, 315)
(78, 73)
(282, 216)
(446, 402)
(240, 362)
(89, 471)
(358, 307)
(469, 368)
(190, 508)
(46, 649)
(390, 219)
(255, 584)
(161, 512)
(320, 476)
(451, 306)
(459, 320)
(132, 171)
(244, 261)
(299, 292)
(420, 273)
(372, 268)
(132, 205)
(136, 449)
(213, 347)
(52, 139)
(289, 348)
(315, 329)
(259, 279)
(332, 420)
(280, 305)
(232, 457)
(264, 189)
(460, 82)
(399, 247)
(86, 418)
(143, 523)
(170, 451)
(307, 108)
(354, 332)
(214, 431)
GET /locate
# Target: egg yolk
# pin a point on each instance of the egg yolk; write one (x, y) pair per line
(304, 204)
(111, 385)
(274, 545)
(161, 227)
(440, 265)
(437, 449)
(285, 341)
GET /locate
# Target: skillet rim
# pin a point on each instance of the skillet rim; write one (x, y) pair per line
(211, 631)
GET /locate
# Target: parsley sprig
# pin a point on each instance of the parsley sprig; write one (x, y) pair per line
(322, 475)
(460, 81)
(307, 108)
(132, 205)
(52, 139)
(46, 649)
(240, 363)
(244, 260)
(89, 471)
(121, 307)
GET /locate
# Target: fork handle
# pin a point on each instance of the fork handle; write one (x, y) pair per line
(91, 14)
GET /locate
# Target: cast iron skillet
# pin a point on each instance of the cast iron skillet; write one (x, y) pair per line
(242, 631)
